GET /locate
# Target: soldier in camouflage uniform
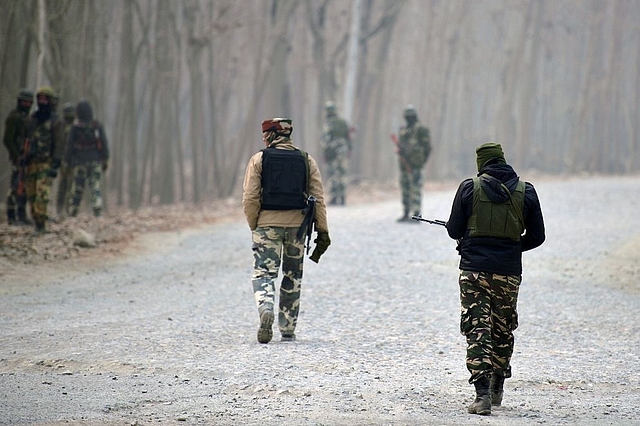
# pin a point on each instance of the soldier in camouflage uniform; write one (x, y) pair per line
(66, 172)
(277, 183)
(413, 149)
(495, 217)
(42, 156)
(87, 153)
(336, 147)
(14, 136)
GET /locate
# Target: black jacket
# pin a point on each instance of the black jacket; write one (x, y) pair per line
(490, 254)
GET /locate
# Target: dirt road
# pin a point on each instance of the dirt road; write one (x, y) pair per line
(165, 334)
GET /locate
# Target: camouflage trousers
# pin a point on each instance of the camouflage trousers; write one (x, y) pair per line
(16, 204)
(38, 187)
(64, 184)
(337, 177)
(411, 187)
(488, 318)
(93, 173)
(272, 247)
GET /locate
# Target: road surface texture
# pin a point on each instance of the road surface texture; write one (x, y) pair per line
(166, 333)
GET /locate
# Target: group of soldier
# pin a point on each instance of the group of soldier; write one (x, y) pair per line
(41, 147)
(495, 217)
(413, 147)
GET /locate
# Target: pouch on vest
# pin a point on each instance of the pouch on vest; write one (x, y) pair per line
(502, 220)
(284, 179)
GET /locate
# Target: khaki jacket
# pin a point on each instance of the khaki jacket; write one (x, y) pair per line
(252, 192)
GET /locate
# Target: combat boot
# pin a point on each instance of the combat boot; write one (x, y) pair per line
(11, 217)
(482, 403)
(97, 212)
(497, 389)
(265, 332)
(40, 229)
(288, 337)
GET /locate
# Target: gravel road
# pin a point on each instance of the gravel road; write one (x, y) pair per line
(166, 334)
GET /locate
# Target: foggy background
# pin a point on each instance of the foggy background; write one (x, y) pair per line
(182, 85)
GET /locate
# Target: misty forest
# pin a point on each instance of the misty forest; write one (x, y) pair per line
(182, 85)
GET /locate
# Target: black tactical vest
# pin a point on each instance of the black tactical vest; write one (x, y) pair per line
(284, 179)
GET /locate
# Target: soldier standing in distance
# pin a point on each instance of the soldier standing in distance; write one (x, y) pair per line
(336, 147)
(68, 115)
(42, 156)
(495, 217)
(413, 149)
(87, 153)
(277, 183)
(14, 136)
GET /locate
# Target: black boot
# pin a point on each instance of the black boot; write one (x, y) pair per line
(497, 389)
(11, 217)
(40, 229)
(482, 403)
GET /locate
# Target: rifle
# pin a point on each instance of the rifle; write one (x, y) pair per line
(308, 222)
(419, 218)
(396, 142)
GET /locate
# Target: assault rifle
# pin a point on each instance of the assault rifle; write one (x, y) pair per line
(419, 218)
(308, 221)
(403, 160)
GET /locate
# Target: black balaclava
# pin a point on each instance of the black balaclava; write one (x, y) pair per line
(84, 112)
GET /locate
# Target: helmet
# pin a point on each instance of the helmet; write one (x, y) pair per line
(46, 91)
(68, 110)
(330, 107)
(25, 95)
(278, 125)
(410, 110)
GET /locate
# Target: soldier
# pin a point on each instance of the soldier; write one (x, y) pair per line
(277, 185)
(495, 217)
(68, 115)
(413, 151)
(14, 136)
(87, 154)
(336, 147)
(42, 156)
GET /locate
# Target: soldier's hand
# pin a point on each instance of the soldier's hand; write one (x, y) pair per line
(104, 166)
(322, 244)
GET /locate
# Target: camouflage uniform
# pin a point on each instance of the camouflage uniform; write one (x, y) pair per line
(488, 318)
(44, 134)
(273, 247)
(495, 217)
(414, 147)
(87, 154)
(13, 139)
(66, 172)
(336, 147)
(274, 233)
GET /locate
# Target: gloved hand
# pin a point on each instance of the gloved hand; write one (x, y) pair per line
(322, 244)
(52, 173)
(105, 166)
